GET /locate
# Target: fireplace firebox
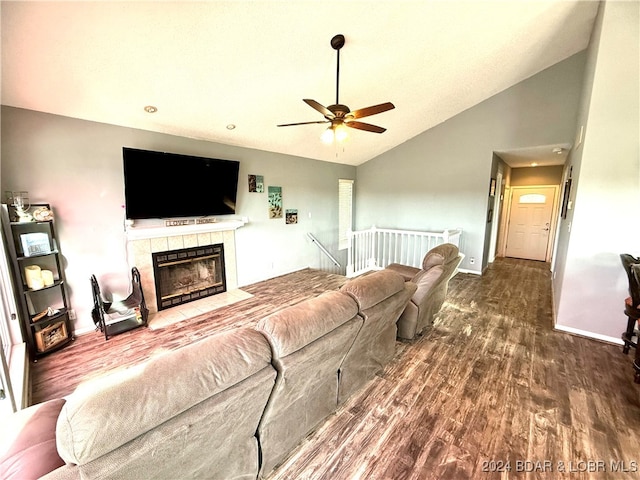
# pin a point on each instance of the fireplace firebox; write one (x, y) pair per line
(188, 274)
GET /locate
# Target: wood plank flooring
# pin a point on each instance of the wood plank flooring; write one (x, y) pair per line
(490, 391)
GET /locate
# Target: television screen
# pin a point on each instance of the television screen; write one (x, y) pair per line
(168, 185)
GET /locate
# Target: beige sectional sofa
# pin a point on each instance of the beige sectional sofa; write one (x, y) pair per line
(231, 406)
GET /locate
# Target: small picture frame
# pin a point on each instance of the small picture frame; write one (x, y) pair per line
(36, 243)
(256, 183)
(291, 216)
(492, 187)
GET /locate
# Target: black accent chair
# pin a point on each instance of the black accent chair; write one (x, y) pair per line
(121, 316)
(632, 308)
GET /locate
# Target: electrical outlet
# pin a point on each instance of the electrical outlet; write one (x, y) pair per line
(472, 260)
(72, 314)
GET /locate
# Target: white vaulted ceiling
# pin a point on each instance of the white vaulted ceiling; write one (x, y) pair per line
(206, 65)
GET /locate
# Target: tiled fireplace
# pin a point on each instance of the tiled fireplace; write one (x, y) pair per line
(188, 274)
(143, 243)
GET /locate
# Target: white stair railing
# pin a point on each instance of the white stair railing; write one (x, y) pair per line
(376, 248)
(323, 249)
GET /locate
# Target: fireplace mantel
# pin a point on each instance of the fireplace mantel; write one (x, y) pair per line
(158, 231)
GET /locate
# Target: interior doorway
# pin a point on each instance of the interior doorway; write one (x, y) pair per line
(531, 222)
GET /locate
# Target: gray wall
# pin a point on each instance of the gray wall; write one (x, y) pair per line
(590, 284)
(76, 166)
(440, 178)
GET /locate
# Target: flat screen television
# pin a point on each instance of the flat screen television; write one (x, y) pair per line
(169, 185)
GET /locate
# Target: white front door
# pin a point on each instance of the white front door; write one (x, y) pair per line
(530, 222)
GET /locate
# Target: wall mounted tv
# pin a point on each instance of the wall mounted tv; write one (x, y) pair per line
(168, 185)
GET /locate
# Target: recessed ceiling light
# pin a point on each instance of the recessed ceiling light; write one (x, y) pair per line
(557, 151)
(231, 126)
(534, 164)
(150, 109)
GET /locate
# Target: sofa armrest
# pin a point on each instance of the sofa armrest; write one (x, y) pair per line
(29, 442)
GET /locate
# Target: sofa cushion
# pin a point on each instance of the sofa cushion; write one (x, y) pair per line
(440, 255)
(297, 326)
(106, 413)
(32, 452)
(374, 288)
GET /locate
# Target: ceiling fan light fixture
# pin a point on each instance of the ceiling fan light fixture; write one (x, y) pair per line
(335, 132)
(340, 132)
(328, 135)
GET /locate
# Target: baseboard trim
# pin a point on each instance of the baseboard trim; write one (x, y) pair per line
(83, 331)
(594, 336)
(473, 272)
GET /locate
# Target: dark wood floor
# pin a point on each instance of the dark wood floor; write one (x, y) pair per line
(490, 391)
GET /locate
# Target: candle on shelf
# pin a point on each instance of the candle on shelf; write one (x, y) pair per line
(37, 283)
(47, 277)
(31, 273)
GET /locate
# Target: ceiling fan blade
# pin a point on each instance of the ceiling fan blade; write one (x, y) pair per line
(301, 123)
(321, 108)
(373, 110)
(365, 126)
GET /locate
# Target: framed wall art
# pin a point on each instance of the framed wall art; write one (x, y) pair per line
(256, 183)
(275, 202)
(291, 216)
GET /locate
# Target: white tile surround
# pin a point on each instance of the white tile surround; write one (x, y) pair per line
(143, 241)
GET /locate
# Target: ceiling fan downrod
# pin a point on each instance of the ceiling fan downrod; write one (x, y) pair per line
(337, 43)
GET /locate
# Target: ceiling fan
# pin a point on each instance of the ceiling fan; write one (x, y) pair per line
(338, 115)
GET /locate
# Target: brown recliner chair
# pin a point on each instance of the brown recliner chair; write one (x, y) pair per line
(438, 266)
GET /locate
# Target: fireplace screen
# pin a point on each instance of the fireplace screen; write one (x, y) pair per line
(188, 274)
